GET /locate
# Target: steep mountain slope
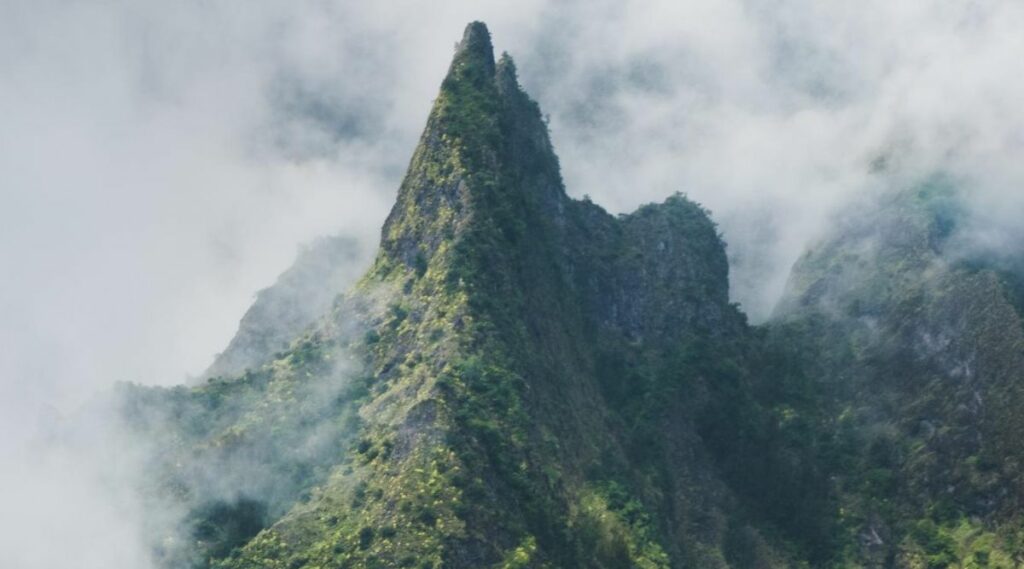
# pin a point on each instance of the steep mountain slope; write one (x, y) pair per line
(523, 380)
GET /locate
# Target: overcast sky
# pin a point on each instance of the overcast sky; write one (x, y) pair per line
(161, 161)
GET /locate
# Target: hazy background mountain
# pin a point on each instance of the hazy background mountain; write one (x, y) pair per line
(306, 291)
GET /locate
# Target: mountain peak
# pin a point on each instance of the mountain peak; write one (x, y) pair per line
(475, 49)
(505, 75)
(483, 143)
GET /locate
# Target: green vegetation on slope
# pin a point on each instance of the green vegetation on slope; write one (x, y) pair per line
(918, 356)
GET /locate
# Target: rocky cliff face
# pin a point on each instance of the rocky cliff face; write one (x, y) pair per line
(523, 380)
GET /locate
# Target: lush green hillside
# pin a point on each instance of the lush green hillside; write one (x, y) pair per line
(919, 351)
(523, 380)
